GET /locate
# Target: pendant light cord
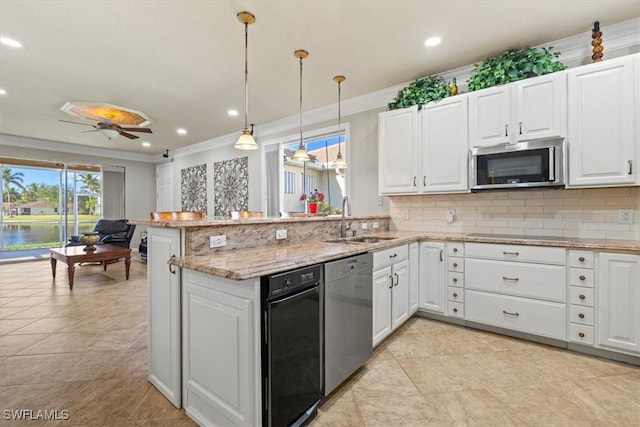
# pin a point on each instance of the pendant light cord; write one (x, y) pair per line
(339, 153)
(300, 146)
(246, 74)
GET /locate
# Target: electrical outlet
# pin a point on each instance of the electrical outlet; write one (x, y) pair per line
(625, 216)
(380, 202)
(281, 234)
(218, 241)
(375, 225)
(451, 215)
(364, 225)
(405, 214)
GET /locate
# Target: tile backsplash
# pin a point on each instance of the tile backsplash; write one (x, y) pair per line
(582, 213)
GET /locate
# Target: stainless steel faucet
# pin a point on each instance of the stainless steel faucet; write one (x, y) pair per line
(343, 226)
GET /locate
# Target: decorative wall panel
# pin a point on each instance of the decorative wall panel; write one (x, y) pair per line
(231, 185)
(194, 188)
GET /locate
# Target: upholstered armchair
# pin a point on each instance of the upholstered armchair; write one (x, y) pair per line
(113, 231)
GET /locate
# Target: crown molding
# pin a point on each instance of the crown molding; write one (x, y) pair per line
(64, 147)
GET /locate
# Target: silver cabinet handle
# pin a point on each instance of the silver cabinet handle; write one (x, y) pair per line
(515, 279)
(455, 295)
(455, 249)
(510, 314)
(455, 264)
(455, 310)
(510, 253)
(424, 181)
(581, 259)
(171, 270)
(552, 163)
(441, 256)
(582, 277)
(414, 181)
(520, 128)
(581, 316)
(455, 280)
(506, 130)
(630, 163)
(393, 256)
(390, 281)
(397, 279)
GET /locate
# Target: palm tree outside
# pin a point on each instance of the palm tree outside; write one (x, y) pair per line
(9, 180)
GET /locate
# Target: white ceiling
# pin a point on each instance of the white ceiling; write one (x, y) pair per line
(182, 62)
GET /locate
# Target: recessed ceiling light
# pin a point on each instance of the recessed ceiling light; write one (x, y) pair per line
(232, 113)
(146, 144)
(432, 41)
(10, 42)
(3, 92)
(181, 131)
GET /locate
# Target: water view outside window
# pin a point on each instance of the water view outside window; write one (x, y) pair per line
(43, 206)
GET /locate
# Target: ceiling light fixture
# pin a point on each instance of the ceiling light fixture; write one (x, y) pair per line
(146, 144)
(10, 42)
(181, 131)
(339, 162)
(301, 153)
(432, 41)
(246, 141)
(232, 113)
(3, 92)
(110, 133)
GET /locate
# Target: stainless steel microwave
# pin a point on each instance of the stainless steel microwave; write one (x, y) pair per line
(538, 163)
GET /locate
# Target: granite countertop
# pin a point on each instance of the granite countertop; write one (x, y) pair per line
(241, 264)
(243, 221)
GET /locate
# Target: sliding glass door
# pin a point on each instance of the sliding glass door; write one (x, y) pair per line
(44, 203)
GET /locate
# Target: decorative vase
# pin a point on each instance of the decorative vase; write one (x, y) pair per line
(313, 207)
(90, 239)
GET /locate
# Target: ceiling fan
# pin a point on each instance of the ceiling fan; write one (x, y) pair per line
(110, 129)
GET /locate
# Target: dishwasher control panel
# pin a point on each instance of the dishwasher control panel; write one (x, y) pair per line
(290, 281)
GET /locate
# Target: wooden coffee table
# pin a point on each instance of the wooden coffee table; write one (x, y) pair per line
(72, 255)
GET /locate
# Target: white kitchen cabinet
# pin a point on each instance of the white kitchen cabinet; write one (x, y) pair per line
(603, 123)
(445, 146)
(414, 277)
(391, 291)
(163, 283)
(432, 277)
(221, 348)
(398, 151)
(533, 108)
(581, 297)
(618, 309)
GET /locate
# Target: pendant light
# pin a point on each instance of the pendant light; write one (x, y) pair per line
(339, 162)
(301, 153)
(246, 141)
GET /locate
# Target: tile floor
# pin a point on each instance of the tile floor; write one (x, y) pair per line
(85, 352)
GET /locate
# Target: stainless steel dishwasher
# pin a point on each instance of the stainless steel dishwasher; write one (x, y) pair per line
(348, 317)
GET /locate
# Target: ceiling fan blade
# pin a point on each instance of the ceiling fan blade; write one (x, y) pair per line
(145, 130)
(128, 135)
(75, 123)
(94, 130)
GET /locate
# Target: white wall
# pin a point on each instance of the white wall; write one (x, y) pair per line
(140, 177)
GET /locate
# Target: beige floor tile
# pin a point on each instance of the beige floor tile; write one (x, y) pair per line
(36, 312)
(628, 384)
(381, 379)
(6, 312)
(343, 413)
(14, 344)
(7, 326)
(42, 326)
(404, 411)
(154, 405)
(60, 343)
(34, 369)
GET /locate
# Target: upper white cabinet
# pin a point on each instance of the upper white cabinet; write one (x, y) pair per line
(444, 146)
(619, 302)
(603, 123)
(529, 109)
(398, 151)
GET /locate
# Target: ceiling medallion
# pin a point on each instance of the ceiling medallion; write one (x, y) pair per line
(94, 111)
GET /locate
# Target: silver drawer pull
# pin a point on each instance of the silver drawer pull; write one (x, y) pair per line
(455, 310)
(393, 256)
(582, 278)
(581, 259)
(510, 253)
(515, 279)
(581, 316)
(581, 334)
(455, 264)
(455, 280)
(455, 295)
(582, 297)
(510, 314)
(455, 249)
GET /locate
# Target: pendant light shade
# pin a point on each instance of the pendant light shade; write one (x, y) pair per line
(301, 153)
(339, 162)
(246, 141)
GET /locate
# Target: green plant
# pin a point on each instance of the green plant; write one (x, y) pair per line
(513, 65)
(419, 92)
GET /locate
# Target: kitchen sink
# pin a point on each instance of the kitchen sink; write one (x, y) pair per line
(370, 239)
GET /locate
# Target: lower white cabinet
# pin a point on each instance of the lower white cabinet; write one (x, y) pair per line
(414, 277)
(391, 291)
(618, 310)
(433, 296)
(163, 287)
(221, 350)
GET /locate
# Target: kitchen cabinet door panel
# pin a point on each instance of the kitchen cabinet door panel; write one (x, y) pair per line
(400, 294)
(541, 107)
(414, 277)
(398, 151)
(432, 277)
(381, 304)
(489, 116)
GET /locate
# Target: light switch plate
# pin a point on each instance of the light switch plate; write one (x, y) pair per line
(364, 225)
(405, 214)
(625, 216)
(281, 234)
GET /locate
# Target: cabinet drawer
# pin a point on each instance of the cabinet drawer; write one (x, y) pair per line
(581, 277)
(455, 249)
(516, 253)
(581, 296)
(389, 256)
(455, 294)
(455, 279)
(581, 315)
(455, 309)
(516, 278)
(544, 318)
(581, 333)
(455, 264)
(582, 259)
